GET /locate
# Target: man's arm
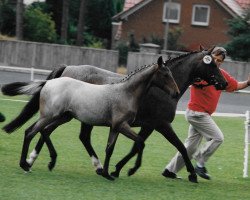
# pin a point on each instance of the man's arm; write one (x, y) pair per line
(244, 84)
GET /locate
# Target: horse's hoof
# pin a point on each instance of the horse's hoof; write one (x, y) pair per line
(99, 171)
(193, 178)
(107, 176)
(25, 166)
(131, 171)
(51, 165)
(115, 174)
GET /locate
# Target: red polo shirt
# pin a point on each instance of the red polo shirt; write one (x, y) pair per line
(206, 99)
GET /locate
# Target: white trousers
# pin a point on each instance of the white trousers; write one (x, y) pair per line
(201, 126)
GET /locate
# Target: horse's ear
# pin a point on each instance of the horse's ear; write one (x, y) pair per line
(160, 61)
(209, 51)
(201, 47)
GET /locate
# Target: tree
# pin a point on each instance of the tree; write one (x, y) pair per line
(55, 7)
(38, 26)
(239, 47)
(81, 22)
(65, 19)
(7, 17)
(19, 19)
(98, 18)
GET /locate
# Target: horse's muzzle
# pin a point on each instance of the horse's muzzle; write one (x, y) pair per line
(175, 95)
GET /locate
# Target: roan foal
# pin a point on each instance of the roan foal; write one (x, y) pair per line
(112, 105)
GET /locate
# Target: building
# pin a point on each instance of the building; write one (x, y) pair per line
(201, 21)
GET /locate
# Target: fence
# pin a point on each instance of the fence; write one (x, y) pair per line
(46, 56)
(247, 142)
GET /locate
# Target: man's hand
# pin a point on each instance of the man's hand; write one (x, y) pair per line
(248, 80)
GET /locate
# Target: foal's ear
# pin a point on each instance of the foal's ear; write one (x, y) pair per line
(160, 61)
(209, 51)
(202, 47)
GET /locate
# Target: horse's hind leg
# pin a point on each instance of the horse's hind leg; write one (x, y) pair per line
(28, 136)
(109, 150)
(168, 132)
(144, 134)
(85, 137)
(47, 131)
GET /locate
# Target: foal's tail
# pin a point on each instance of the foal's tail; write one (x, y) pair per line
(32, 106)
(18, 88)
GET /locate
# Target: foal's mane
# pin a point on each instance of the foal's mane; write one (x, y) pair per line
(133, 73)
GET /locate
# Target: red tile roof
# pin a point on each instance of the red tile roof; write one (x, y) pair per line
(245, 4)
(130, 3)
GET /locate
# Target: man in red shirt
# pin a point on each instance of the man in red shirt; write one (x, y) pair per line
(203, 102)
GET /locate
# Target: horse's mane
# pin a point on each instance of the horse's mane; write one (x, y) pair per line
(170, 61)
(133, 73)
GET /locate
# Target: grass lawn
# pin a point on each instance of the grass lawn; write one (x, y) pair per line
(75, 178)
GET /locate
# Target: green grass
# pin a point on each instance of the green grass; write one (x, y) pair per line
(75, 178)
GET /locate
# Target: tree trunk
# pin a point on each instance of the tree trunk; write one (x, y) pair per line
(65, 17)
(19, 19)
(81, 22)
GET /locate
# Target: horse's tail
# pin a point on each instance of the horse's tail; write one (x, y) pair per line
(18, 88)
(32, 106)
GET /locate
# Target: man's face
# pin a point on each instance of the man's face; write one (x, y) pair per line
(218, 60)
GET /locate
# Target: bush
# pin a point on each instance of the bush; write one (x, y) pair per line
(38, 26)
(123, 53)
(7, 18)
(239, 47)
(174, 35)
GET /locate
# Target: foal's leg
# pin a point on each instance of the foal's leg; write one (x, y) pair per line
(47, 131)
(29, 135)
(86, 141)
(167, 131)
(109, 150)
(144, 133)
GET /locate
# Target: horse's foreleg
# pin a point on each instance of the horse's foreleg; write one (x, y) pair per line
(168, 132)
(109, 150)
(144, 133)
(85, 137)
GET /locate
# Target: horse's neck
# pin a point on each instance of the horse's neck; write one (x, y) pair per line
(183, 74)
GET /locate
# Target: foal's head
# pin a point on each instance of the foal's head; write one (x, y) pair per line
(206, 69)
(163, 78)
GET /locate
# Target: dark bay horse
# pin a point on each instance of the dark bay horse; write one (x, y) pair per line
(155, 113)
(112, 105)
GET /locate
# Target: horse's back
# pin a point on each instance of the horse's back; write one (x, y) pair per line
(91, 74)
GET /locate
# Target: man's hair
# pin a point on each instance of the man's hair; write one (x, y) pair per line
(220, 51)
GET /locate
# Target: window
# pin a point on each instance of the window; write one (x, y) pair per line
(171, 12)
(200, 15)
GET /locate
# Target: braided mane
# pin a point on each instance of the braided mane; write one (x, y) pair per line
(133, 73)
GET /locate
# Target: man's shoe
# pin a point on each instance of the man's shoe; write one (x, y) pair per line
(202, 172)
(2, 118)
(169, 174)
